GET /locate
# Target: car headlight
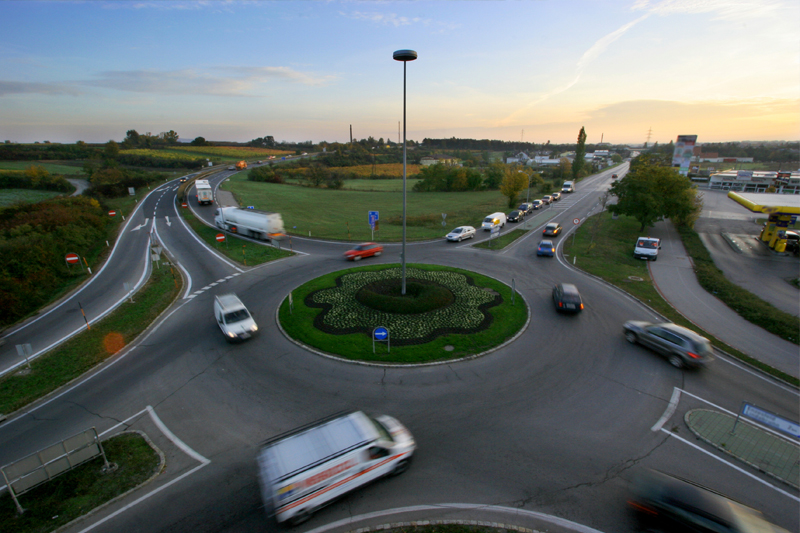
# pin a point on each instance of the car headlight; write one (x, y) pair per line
(254, 328)
(231, 334)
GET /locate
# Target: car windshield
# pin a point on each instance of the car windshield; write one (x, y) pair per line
(647, 244)
(553, 226)
(488, 219)
(236, 316)
(457, 230)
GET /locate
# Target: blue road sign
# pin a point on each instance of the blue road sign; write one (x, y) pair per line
(373, 217)
(380, 333)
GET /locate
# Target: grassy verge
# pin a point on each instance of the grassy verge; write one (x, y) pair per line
(90, 348)
(602, 247)
(27, 196)
(507, 321)
(74, 493)
(240, 250)
(498, 243)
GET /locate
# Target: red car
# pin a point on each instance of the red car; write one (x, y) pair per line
(367, 249)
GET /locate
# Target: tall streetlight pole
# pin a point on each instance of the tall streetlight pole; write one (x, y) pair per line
(405, 56)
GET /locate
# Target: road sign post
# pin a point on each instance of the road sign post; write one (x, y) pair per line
(71, 259)
(373, 217)
(381, 334)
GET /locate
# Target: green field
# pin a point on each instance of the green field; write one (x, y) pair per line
(52, 168)
(28, 196)
(368, 185)
(343, 214)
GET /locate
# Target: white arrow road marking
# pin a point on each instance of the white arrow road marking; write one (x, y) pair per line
(140, 226)
(168, 222)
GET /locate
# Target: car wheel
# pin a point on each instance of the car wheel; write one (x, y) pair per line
(630, 337)
(378, 253)
(460, 239)
(655, 258)
(676, 361)
(357, 258)
(400, 467)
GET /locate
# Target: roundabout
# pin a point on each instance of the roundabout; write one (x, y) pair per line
(446, 314)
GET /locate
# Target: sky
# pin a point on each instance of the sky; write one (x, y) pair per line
(522, 70)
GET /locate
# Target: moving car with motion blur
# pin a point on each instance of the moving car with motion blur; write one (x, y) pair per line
(552, 228)
(461, 233)
(567, 299)
(546, 248)
(556, 196)
(233, 318)
(681, 346)
(525, 207)
(537, 204)
(673, 504)
(547, 199)
(367, 249)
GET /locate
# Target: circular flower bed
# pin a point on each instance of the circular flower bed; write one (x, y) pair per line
(343, 313)
(447, 313)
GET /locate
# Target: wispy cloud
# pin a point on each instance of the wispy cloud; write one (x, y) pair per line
(724, 9)
(239, 81)
(389, 19)
(22, 87)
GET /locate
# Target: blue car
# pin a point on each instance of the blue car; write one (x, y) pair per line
(546, 248)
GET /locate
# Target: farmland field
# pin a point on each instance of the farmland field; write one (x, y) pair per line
(386, 169)
(342, 214)
(229, 152)
(52, 168)
(160, 154)
(395, 185)
(28, 196)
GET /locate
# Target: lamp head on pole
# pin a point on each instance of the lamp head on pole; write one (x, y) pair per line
(404, 55)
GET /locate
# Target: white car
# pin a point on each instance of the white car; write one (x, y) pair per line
(461, 233)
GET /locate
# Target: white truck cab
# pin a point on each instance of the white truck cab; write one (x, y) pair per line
(647, 248)
(233, 318)
(568, 187)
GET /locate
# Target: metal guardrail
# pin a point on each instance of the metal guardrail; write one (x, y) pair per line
(42, 466)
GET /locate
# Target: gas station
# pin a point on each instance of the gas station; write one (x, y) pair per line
(781, 211)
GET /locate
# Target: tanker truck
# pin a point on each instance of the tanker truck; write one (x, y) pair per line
(250, 223)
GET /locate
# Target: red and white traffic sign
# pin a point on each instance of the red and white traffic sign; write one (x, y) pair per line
(72, 258)
(576, 221)
(220, 237)
(184, 205)
(112, 213)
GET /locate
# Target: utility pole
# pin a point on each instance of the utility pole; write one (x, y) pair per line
(649, 134)
(398, 132)
(351, 134)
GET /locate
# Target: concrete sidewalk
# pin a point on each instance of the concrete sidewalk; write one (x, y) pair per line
(674, 277)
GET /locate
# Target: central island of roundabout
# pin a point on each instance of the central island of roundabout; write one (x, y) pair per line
(446, 314)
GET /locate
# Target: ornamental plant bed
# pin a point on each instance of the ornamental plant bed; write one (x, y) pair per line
(464, 311)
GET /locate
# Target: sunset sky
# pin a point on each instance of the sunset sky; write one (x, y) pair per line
(307, 70)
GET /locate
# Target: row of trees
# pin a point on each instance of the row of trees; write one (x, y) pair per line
(34, 177)
(134, 139)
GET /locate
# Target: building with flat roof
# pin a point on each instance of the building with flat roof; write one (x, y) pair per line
(784, 182)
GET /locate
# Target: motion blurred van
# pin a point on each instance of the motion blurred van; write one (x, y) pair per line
(233, 318)
(308, 467)
(494, 220)
(568, 187)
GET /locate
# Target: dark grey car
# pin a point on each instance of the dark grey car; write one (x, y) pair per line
(682, 347)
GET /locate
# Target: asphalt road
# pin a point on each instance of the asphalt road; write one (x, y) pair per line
(554, 423)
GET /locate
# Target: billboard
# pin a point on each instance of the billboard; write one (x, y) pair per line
(684, 149)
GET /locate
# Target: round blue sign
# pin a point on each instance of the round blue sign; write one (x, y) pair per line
(380, 333)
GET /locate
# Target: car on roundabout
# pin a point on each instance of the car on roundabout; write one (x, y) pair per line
(662, 502)
(681, 346)
(567, 299)
(515, 216)
(461, 233)
(546, 248)
(367, 249)
(552, 229)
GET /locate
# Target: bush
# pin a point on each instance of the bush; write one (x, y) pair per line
(34, 177)
(114, 182)
(264, 175)
(421, 296)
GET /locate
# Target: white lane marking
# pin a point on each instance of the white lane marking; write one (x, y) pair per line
(179, 443)
(670, 410)
(214, 284)
(738, 469)
(190, 297)
(92, 321)
(202, 243)
(580, 528)
(205, 288)
(188, 288)
(140, 226)
(222, 280)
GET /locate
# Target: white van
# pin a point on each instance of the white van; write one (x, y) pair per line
(647, 248)
(494, 220)
(233, 318)
(306, 468)
(568, 187)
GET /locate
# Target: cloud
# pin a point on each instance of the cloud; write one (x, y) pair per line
(389, 19)
(724, 9)
(21, 87)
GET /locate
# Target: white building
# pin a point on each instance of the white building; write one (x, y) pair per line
(785, 182)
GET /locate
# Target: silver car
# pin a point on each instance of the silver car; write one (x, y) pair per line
(682, 347)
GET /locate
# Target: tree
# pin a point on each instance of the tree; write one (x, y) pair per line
(199, 141)
(652, 191)
(494, 175)
(514, 181)
(170, 137)
(132, 139)
(580, 154)
(111, 151)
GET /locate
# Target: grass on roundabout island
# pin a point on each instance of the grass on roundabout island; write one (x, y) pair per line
(507, 320)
